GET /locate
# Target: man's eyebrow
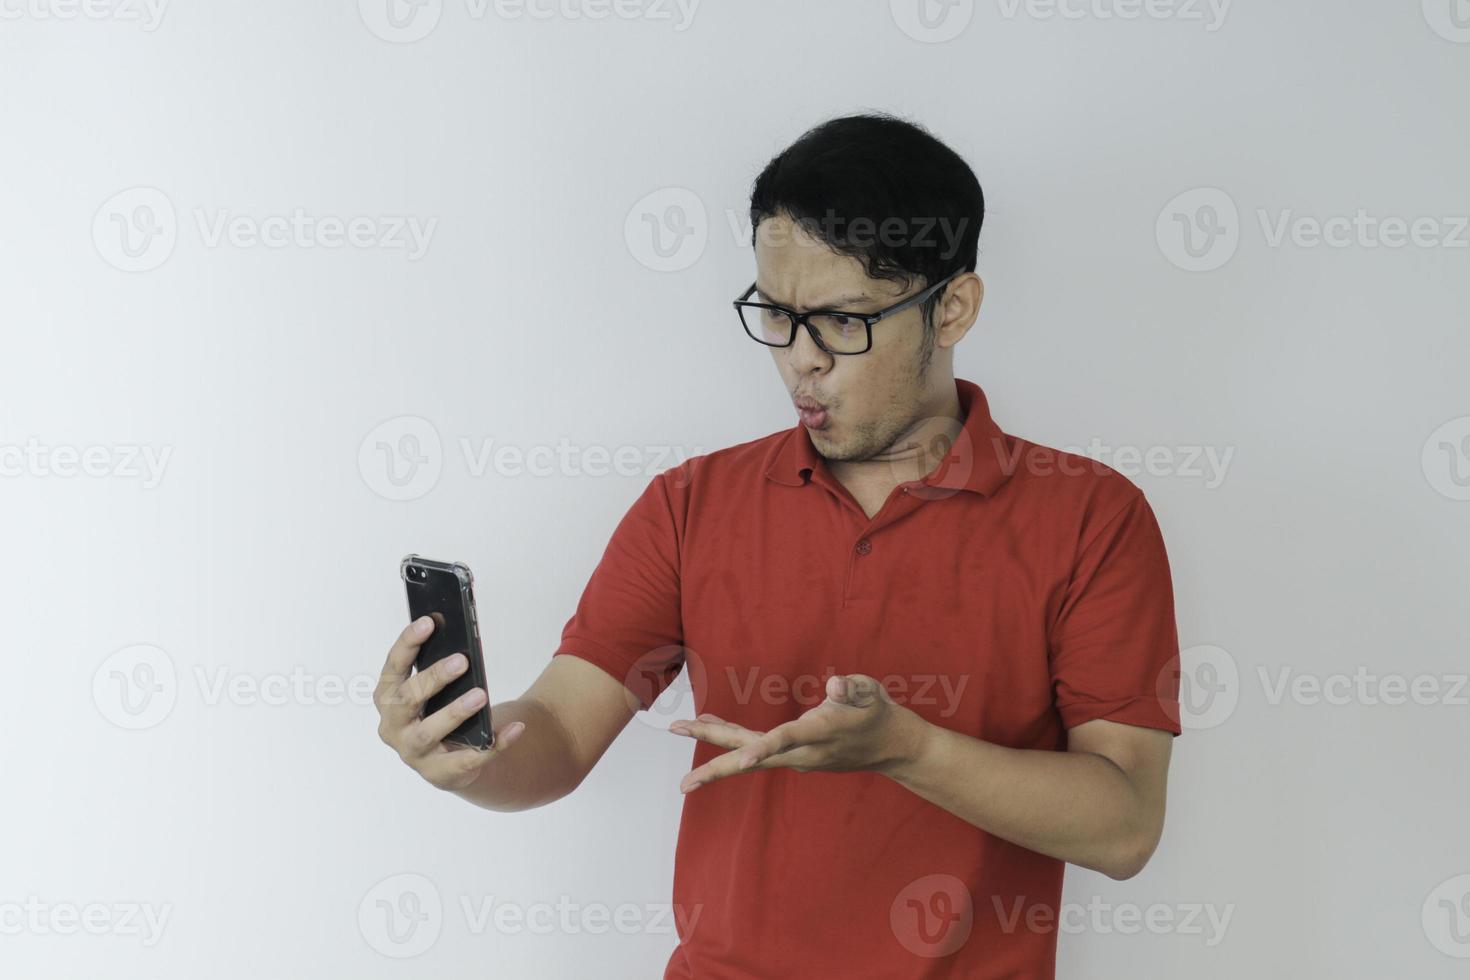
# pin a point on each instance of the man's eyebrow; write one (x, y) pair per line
(835, 304)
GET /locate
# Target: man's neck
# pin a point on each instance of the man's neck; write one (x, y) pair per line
(916, 452)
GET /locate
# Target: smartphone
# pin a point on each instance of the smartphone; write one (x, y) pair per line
(445, 592)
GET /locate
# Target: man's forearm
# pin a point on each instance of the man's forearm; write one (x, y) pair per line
(1076, 806)
(539, 768)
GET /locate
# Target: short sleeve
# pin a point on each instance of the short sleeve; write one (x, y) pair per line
(1114, 642)
(628, 620)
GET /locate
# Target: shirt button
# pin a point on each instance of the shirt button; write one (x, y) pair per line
(864, 546)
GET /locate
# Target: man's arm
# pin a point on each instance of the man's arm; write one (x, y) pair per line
(572, 713)
(547, 740)
(1100, 804)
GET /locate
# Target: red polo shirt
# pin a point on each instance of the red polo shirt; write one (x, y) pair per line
(1014, 592)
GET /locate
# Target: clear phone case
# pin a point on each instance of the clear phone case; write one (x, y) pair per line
(444, 591)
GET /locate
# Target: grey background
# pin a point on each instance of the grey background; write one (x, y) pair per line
(541, 314)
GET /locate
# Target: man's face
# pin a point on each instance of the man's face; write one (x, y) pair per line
(870, 399)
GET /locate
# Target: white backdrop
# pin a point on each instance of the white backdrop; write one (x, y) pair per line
(289, 290)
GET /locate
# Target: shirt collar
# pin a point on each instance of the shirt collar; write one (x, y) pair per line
(976, 462)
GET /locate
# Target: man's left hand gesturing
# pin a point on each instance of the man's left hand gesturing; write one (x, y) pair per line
(857, 727)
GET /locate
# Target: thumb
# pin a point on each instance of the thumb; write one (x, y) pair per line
(858, 690)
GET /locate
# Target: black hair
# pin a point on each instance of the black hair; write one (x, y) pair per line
(845, 180)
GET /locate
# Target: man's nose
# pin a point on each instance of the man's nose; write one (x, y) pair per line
(804, 354)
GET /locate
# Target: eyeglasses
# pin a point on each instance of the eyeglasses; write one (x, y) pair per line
(835, 331)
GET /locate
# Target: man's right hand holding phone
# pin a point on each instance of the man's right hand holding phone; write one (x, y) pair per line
(419, 741)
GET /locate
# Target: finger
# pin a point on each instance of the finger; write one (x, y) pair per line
(729, 765)
(723, 734)
(683, 725)
(391, 697)
(806, 730)
(401, 656)
(430, 681)
(433, 729)
(858, 690)
(403, 707)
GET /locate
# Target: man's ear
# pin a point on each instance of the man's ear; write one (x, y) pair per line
(959, 309)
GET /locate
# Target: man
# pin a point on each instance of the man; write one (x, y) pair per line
(932, 661)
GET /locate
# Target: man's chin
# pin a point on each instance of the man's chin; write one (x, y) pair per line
(833, 450)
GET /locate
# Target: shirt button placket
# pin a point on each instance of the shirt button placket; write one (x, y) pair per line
(855, 587)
